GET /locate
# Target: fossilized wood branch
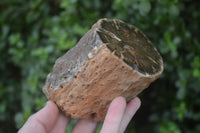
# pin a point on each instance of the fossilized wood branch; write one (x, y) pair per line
(112, 59)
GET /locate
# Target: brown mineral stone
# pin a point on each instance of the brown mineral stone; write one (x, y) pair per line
(112, 59)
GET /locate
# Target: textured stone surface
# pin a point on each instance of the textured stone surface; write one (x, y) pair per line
(112, 59)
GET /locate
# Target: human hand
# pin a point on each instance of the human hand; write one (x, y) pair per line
(50, 120)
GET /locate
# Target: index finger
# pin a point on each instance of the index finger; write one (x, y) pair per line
(114, 116)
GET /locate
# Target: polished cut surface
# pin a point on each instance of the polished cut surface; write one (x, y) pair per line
(131, 45)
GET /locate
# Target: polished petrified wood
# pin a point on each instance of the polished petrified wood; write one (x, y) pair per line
(112, 59)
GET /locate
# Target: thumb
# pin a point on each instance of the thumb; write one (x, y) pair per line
(42, 121)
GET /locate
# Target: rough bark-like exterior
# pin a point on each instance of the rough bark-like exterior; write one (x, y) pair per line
(112, 59)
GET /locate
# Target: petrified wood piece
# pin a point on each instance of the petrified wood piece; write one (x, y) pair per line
(112, 59)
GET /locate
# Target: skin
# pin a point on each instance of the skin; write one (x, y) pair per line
(50, 120)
